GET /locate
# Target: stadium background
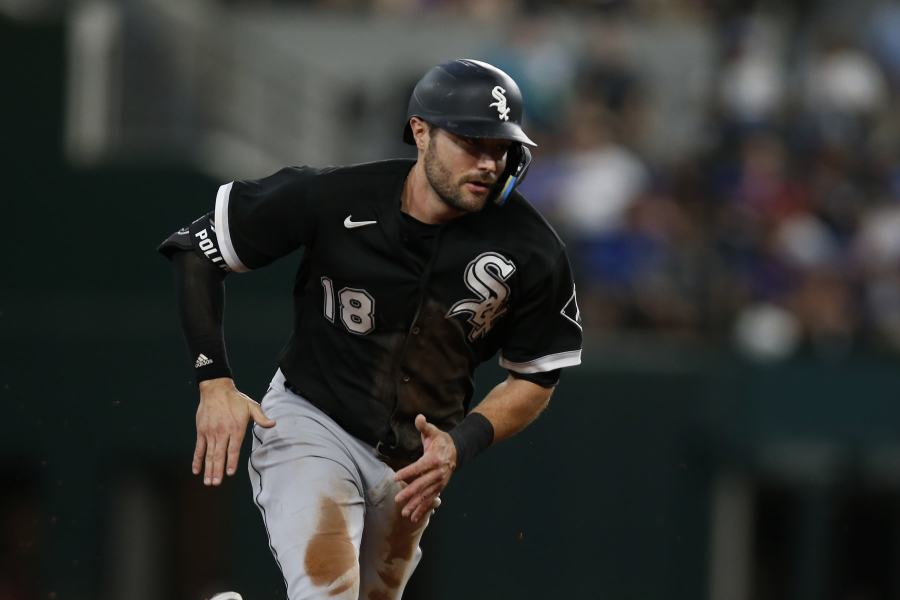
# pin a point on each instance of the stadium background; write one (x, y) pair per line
(727, 175)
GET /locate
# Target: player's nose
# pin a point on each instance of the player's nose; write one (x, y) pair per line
(487, 162)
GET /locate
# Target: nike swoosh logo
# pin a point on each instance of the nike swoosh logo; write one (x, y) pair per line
(350, 224)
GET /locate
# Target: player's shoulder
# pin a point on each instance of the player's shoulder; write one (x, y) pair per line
(378, 168)
(382, 169)
(364, 180)
(366, 173)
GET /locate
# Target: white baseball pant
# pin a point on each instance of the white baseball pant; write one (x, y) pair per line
(327, 503)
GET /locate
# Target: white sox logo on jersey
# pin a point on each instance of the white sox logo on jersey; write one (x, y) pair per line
(499, 95)
(485, 276)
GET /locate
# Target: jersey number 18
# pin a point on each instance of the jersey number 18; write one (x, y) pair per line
(356, 305)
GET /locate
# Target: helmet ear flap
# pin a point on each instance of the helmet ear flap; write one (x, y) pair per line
(517, 162)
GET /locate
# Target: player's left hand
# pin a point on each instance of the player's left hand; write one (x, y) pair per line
(428, 476)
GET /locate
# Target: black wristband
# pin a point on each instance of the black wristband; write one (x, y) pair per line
(210, 358)
(471, 437)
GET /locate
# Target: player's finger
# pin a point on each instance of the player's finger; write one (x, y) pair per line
(218, 463)
(409, 491)
(425, 496)
(407, 505)
(259, 417)
(420, 512)
(410, 472)
(421, 422)
(416, 487)
(199, 451)
(424, 427)
(423, 509)
(424, 503)
(234, 451)
(208, 460)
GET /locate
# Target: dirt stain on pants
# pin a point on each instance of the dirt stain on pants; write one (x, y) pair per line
(399, 547)
(330, 559)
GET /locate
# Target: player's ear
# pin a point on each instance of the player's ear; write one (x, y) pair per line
(421, 132)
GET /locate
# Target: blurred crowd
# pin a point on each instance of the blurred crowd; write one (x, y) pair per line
(746, 190)
(776, 226)
(778, 229)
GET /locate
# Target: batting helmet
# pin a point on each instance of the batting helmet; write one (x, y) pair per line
(474, 99)
(469, 98)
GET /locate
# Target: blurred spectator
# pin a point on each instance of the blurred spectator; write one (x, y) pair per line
(803, 242)
(543, 64)
(844, 89)
(766, 332)
(826, 307)
(884, 36)
(604, 74)
(602, 178)
(878, 257)
(762, 181)
(752, 85)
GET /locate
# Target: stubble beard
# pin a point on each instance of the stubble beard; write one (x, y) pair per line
(441, 180)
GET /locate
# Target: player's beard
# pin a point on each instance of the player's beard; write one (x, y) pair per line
(451, 192)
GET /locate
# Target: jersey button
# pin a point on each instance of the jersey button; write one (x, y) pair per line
(406, 379)
(415, 331)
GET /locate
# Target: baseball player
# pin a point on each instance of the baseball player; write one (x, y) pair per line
(413, 273)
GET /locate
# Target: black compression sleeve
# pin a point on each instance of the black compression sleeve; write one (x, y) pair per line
(201, 305)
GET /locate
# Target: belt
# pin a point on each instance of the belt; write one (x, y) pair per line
(389, 454)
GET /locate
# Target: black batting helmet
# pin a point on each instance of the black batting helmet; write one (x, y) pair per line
(470, 98)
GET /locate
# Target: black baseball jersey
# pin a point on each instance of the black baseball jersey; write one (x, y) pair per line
(392, 315)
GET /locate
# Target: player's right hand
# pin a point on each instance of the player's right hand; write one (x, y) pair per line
(222, 419)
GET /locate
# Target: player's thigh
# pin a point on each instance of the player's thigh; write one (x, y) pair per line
(313, 512)
(390, 546)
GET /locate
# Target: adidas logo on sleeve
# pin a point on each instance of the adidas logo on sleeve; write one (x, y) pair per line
(202, 361)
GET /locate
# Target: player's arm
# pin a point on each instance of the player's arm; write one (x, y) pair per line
(223, 411)
(511, 406)
(253, 224)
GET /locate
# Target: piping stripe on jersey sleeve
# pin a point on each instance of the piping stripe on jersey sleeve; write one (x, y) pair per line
(544, 363)
(223, 233)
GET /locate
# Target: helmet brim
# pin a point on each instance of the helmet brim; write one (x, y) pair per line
(475, 128)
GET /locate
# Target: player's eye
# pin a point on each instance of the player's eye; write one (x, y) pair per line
(496, 150)
(469, 143)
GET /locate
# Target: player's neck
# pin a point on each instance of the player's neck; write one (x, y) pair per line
(421, 202)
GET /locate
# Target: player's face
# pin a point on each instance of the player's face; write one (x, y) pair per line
(464, 170)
